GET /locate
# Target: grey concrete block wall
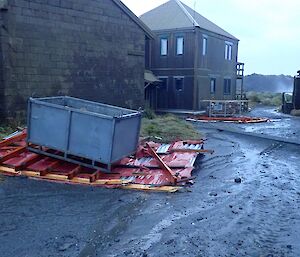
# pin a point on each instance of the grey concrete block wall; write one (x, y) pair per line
(88, 49)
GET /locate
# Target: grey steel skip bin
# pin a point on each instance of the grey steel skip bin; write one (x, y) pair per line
(84, 132)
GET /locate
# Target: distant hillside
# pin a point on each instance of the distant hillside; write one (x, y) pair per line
(268, 83)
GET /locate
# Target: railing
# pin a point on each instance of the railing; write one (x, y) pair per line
(240, 69)
(225, 108)
(241, 96)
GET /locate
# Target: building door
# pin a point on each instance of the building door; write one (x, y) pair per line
(178, 92)
(162, 93)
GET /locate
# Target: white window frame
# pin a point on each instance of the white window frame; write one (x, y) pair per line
(163, 46)
(228, 50)
(179, 45)
(204, 45)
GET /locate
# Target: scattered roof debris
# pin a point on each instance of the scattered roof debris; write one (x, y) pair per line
(154, 167)
(228, 119)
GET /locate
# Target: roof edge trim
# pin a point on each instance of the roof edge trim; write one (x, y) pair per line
(138, 21)
(187, 13)
(232, 38)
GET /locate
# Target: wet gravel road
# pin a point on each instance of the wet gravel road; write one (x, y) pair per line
(215, 217)
(282, 125)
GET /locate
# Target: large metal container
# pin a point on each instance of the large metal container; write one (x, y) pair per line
(296, 94)
(98, 132)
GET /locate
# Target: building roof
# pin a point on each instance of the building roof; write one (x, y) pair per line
(131, 15)
(176, 15)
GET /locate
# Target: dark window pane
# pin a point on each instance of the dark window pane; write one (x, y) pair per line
(163, 84)
(213, 86)
(179, 84)
(227, 86)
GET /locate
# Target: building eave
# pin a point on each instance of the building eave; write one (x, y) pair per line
(191, 29)
(141, 24)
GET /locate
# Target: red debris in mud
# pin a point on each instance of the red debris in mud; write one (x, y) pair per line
(158, 167)
(229, 119)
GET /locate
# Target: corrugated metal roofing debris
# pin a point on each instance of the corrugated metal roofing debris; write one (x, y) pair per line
(142, 171)
(228, 119)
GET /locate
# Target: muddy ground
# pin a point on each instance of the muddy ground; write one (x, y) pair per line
(215, 217)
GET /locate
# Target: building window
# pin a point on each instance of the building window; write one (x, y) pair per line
(163, 85)
(179, 84)
(228, 51)
(179, 45)
(204, 45)
(212, 86)
(227, 86)
(163, 46)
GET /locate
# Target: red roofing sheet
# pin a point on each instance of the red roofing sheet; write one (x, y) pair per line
(142, 171)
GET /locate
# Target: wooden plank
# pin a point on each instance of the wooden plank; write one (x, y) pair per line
(74, 172)
(4, 148)
(13, 154)
(94, 176)
(81, 180)
(162, 164)
(29, 173)
(9, 170)
(36, 174)
(49, 168)
(111, 182)
(56, 177)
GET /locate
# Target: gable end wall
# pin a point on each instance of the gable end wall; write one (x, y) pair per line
(87, 49)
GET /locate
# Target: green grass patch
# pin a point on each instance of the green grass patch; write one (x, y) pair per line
(169, 128)
(5, 131)
(270, 99)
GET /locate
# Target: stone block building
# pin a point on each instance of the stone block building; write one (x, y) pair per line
(89, 49)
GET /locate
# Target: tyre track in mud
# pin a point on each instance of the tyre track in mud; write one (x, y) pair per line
(271, 202)
(242, 131)
(214, 217)
(62, 224)
(220, 217)
(104, 235)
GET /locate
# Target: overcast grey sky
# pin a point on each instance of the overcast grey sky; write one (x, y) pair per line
(269, 30)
